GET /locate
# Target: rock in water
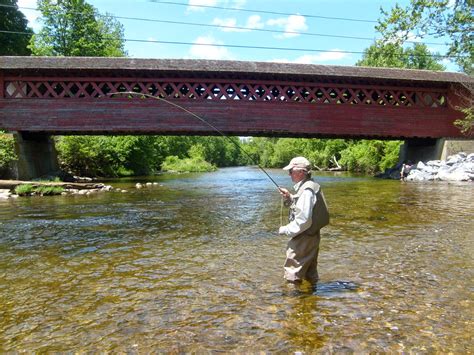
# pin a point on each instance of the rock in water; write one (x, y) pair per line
(458, 167)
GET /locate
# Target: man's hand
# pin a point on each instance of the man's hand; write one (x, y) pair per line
(285, 193)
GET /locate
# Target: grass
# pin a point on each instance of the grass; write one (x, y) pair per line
(49, 190)
(24, 190)
(27, 190)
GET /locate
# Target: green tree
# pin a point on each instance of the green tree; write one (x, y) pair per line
(7, 153)
(139, 155)
(285, 149)
(90, 155)
(393, 55)
(363, 156)
(13, 20)
(438, 18)
(197, 151)
(260, 149)
(322, 152)
(76, 28)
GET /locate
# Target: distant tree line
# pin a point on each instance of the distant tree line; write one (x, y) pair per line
(116, 156)
(143, 155)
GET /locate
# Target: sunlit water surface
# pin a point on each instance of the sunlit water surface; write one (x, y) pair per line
(195, 264)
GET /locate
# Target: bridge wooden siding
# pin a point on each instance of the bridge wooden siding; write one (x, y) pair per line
(57, 95)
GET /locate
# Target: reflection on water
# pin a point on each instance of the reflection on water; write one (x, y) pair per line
(196, 265)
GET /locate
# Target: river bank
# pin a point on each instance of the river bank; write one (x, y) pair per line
(10, 188)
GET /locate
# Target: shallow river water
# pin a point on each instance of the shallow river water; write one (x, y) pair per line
(194, 264)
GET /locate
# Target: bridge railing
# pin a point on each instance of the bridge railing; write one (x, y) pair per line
(312, 93)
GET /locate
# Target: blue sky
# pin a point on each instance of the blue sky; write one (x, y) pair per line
(326, 50)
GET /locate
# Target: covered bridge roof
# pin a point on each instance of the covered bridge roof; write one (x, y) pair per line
(191, 68)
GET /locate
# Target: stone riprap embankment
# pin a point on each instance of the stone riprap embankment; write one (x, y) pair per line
(458, 167)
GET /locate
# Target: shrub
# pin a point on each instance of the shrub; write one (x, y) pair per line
(173, 163)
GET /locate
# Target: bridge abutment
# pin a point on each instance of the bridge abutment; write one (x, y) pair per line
(421, 149)
(36, 153)
(454, 146)
(424, 149)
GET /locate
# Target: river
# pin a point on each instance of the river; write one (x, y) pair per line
(194, 264)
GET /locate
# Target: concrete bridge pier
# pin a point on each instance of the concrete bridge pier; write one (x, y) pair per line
(37, 155)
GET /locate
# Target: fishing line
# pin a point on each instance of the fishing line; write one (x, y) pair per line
(200, 119)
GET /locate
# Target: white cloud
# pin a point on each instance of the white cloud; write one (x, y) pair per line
(279, 60)
(203, 49)
(402, 36)
(292, 25)
(413, 37)
(192, 8)
(239, 4)
(227, 22)
(253, 22)
(31, 15)
(331, 56)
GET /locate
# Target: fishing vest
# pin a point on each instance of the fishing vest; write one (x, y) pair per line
(320, 217)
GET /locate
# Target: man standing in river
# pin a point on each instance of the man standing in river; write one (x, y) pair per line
(308, 214)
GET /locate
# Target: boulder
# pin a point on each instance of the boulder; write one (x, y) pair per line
(417, 175)
(4, 194)
(454, 159)
(459, 167)
(436, 163)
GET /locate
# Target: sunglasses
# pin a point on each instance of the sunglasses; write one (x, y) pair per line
(291, 171)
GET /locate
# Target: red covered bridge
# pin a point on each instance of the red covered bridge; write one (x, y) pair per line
(72, 95)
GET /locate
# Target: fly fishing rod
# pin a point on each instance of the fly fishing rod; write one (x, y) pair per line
(200, 119)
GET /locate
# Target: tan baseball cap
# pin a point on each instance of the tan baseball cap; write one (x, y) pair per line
(298, 163)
